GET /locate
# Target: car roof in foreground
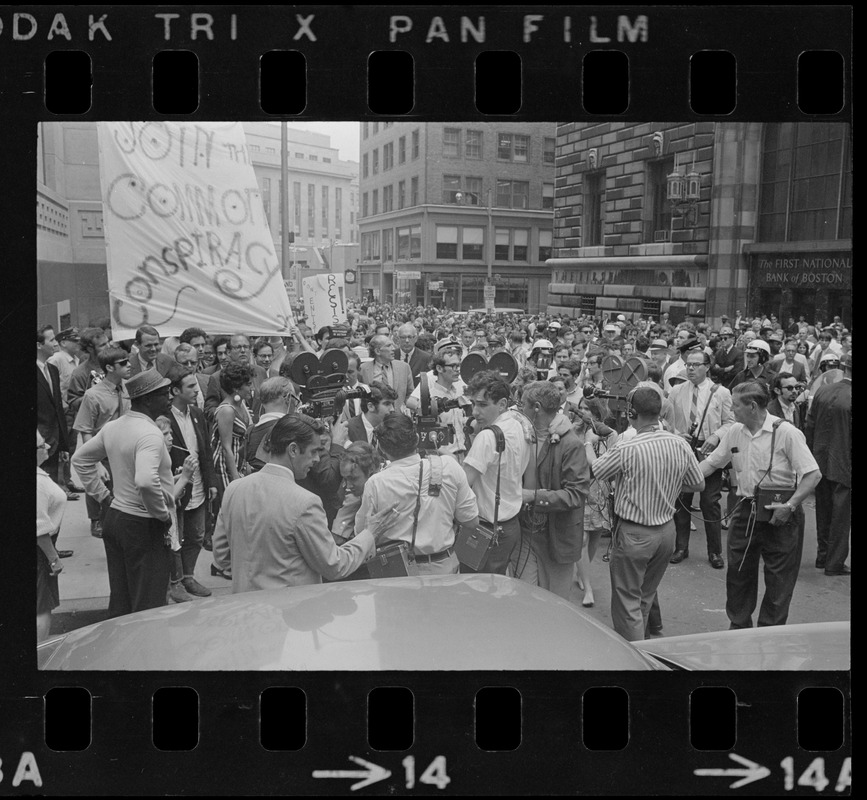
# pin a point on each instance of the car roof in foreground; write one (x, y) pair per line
(449, 622)
(807, 646)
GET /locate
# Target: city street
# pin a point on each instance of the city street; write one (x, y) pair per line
(692, 594)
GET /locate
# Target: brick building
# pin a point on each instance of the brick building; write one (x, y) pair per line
(702, 219)
(445, 204)
(72, 285)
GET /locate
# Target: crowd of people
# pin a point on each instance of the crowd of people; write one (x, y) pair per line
(208, 441)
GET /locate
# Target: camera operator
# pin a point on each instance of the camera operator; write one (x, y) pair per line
(447, 386)
(376, 405)
(397, 486)
(753, 447)
(490, 395)
(702, 416)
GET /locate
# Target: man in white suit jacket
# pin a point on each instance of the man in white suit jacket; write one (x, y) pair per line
(385, 369)
(702, 415)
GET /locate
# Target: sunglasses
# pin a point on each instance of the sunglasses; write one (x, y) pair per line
(122, 363)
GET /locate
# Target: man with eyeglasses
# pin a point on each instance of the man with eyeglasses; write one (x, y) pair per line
(418, 360)
(188, 357)
(791, 362)
(445, 382)
(239, 352)
(102, 403)
(728, 357)
(702, 416)
(784, 388)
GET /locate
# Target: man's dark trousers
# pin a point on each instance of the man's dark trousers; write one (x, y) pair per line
(780, 548)
(138, 562)
(710, 512)
(833, 523)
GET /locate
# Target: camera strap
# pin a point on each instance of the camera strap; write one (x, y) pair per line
(771, 460)
(417, 506)
(695, 435)
(500, 443)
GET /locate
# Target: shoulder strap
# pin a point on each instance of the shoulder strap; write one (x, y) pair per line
(500, 440)
(773, 441)
(704, 413)
(417, 504)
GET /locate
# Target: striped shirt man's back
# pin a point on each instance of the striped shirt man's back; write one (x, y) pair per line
(650, 470)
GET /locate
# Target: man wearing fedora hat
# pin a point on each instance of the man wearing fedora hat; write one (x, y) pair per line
(137, 512)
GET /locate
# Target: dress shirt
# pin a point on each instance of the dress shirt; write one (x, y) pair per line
(188, 431)
(383, 373)
(101, 403)
(397, 487)
(141, 469)
(719, 417)
(483, 456)
(750, 455)
(274, 534)
(66, 365)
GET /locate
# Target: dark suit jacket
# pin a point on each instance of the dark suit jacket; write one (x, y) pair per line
(419, 362)
(356, 430)
(829, 431)
(214, 395)
(734, 358)
(50, 417)
(162, 362)
(799, 373)
(403, 383)
(206, 455)
(775, 409)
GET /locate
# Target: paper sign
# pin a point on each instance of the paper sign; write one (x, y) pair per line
(187, 240)
(324, 300)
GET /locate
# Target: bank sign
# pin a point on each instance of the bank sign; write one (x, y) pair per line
(802, 271)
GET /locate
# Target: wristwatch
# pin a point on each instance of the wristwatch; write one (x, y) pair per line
(792, 506)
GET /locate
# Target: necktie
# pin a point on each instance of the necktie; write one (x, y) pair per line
(47, 373)
(693, 409)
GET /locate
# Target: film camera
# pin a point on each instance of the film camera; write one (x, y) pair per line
(323, 383)
(619, 376)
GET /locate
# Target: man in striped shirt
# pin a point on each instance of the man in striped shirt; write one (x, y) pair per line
(651, 470)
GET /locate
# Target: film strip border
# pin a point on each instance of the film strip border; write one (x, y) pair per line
(545, 62)
(525, 734)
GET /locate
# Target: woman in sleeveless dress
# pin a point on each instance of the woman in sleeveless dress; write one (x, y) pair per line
(232, 420)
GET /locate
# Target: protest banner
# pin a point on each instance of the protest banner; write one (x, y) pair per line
(187, 240)
(324, 300)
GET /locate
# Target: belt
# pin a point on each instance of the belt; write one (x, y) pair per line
(441, 556)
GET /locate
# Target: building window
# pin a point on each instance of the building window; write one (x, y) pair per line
(314, 158)
(473, 244)
(254, 148)
(311, 210)
(326, 160)
(594, 192)
(447, 241)
(375, 161)
(388, 245)
(513, 194)
(364, 166)
(374, 245)
(415, 144)
(401, 150)
(513, 147)
(473, 193)
(547, 195)
(388, 198)
(338, 212)
(545, 242)
(548, 150)
(296, 201)
(364, 204)
(474, 144)
(520, 250)
(660, 209)
(270, 150)
(401, 194)
(388, 156)
(374, 202)
(299, 155)
(806, 190)
(501, 246)
(452, 142)
(325, 208)
(364, 130)
(375, 128)
(451, 186)
(413, 192)
(415, 241)
(409, 243)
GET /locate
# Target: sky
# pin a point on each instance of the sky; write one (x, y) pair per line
(344, 135)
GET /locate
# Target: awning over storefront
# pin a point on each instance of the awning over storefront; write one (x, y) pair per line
(629, 262)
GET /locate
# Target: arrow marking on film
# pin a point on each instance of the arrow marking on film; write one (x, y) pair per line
(373, 774)
(752, 771)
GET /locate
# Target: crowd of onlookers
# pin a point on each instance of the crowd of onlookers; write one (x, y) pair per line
(202, 410)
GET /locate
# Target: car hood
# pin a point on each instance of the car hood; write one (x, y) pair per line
(449, 622)
(809, 646)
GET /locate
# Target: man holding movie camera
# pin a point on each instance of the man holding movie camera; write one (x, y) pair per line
(431, 495)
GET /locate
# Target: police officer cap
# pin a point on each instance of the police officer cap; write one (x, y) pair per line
(690, 344)
(726, 331)
(758, 344)
(68, 335)
(659, 344)
(829, 357)
(543, 344)
(449, 343)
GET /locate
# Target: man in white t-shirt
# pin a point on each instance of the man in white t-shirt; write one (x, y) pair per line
(490, 396)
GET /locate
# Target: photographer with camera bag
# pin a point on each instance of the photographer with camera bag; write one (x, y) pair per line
(768, 455)
(431, 494)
